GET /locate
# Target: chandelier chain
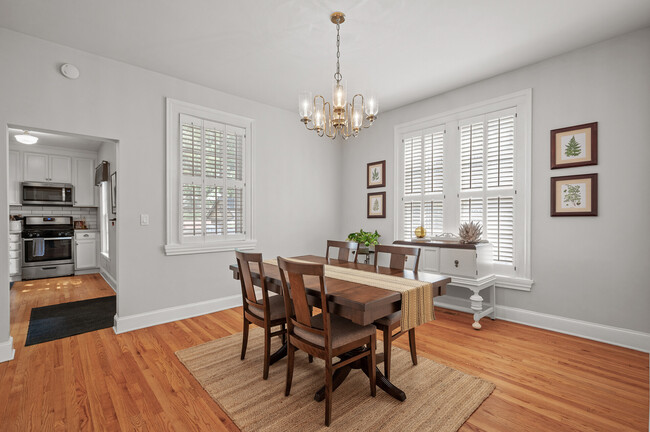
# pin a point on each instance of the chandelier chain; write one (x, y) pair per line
(337, 75)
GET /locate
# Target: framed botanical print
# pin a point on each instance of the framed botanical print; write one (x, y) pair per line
(574, 146)
(376, 174)
(575, 195)
(377, 205)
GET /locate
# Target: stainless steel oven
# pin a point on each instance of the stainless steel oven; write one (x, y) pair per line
(48, 249)
(54, 194)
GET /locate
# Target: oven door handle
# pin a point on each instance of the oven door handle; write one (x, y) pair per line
(50, 238)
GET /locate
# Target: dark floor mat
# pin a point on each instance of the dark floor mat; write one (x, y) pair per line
(49, 323)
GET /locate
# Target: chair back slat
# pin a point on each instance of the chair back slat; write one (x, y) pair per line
(398, 255)
(295, 294)
(248, 289)
(344, 248)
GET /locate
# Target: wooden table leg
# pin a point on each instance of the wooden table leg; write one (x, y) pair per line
(340, 375)
(337, 379)
(279, 354)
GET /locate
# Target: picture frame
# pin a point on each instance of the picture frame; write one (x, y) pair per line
(376, 174)
(575, 195)
(377, 205)
(114, 192)
(574, 146)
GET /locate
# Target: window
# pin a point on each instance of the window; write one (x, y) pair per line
(471, 164)
(423, 181)
(208, 180)
(103, 218)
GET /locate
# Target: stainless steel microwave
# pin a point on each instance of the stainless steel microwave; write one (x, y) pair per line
(53, 194)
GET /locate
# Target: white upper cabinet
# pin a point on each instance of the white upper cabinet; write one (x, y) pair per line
(36, 167)
(47, 168)
(84, 182)
(15, 178)
(60, 169)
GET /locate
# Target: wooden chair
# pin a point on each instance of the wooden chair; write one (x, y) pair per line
(388, 324)
(324, 335)
(344, 249)
(266, 313)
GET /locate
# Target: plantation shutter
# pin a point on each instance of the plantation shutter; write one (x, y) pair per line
(500, 227)
(212, 180)
(433, 214)
(412, 217)
(471, 210)
(423, 179)
(501, 151)
(191, 177)
(413, 165)
(433, 161)
(235, 181)
(471, 155)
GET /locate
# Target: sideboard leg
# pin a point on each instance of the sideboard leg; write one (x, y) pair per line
(493, 315)
(477, 307)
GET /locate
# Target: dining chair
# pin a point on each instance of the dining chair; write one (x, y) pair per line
(388, 324)
(324, 335)
(266, 312)
(344, 250)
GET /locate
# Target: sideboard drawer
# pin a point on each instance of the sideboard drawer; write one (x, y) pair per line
(458, 262)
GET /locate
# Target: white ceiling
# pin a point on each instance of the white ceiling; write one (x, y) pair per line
(51, 139)
(271, 50)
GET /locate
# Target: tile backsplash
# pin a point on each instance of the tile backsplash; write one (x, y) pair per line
(78, 213)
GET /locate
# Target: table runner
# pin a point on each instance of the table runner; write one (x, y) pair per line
(417, 296)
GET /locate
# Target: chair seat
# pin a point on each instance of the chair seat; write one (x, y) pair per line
(393, 318)
(276, 307)
(343, 331)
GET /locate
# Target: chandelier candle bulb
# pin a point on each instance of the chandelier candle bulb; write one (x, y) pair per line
(337, 118)
(306, 106)
(372, 107)
(339, 96)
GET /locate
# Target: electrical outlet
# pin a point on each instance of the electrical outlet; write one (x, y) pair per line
(144, 219)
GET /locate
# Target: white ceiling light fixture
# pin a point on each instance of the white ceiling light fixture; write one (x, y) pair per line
(339, 117)
(26, 138)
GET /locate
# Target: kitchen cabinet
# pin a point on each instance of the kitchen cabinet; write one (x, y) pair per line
(84, 182)
(15, 178)
(15, 253)
(85, 250)
(40, 167)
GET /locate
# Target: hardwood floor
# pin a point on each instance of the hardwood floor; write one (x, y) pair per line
(101, 381)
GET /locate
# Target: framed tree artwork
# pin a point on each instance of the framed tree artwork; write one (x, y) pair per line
(575, 195)
(574, 146)
(376, 174)
(377, 205)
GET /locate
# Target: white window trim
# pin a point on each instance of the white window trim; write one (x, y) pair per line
(174, 244)
(523, 100)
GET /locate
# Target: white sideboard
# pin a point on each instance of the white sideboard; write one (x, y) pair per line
(469, 265)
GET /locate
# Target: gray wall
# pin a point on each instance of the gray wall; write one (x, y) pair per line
(296, 200)
(587, 268)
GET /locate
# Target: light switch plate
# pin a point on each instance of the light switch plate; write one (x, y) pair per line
(144, 219)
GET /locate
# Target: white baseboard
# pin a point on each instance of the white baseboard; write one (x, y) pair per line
(109, 279)
(7, 350)
(162, 316)
(632, 339)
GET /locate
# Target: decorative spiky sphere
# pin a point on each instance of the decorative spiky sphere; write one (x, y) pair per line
(470, 232)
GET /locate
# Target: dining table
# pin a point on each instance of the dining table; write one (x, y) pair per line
(361, 304)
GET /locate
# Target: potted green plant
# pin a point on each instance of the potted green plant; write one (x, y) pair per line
(366, 240)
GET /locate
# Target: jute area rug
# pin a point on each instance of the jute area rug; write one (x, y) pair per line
(438, 398)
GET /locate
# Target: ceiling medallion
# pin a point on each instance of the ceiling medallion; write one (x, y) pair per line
(339, 117)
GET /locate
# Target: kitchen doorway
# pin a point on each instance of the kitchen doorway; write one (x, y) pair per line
(62, 205)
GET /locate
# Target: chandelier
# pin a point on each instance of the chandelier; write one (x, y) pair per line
(339, 117)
